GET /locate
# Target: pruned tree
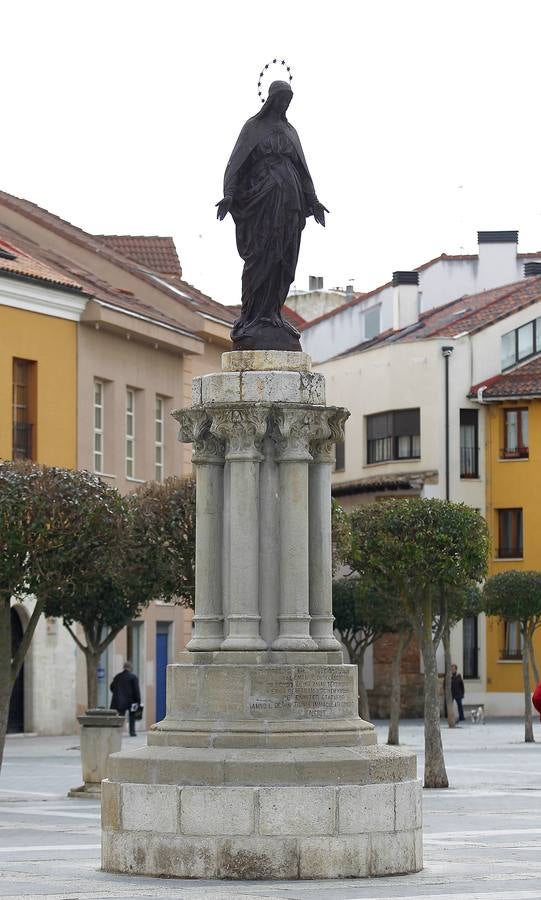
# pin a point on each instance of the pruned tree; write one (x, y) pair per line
(49, 537)
(152, 559)
(515, 596)
(416, 550)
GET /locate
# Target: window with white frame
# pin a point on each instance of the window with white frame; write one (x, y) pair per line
(130, 433)
(98, 425)
(159, 439)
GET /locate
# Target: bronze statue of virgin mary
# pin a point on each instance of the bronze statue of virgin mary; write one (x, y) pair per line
(269, 192)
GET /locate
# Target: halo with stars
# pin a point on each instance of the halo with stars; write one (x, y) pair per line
(274, 62)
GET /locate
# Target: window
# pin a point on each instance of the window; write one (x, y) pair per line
(340, 456)
(521, 343)
(371, 323)
(514, 641)
(525, 343)
(98, 426)
(130, 433)
(393, 435)
(508, 352)
(510, 534)
(159, 439)
(469, 443)
(22, 408)
(470, 665)
(515, 428)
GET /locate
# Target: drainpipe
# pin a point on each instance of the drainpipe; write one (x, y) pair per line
(446, 352)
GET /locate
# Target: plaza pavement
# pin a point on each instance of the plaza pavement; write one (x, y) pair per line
(482, 836)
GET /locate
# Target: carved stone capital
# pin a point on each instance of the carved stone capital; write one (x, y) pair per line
(331, 430)
(242, 430)
(293, 432)
(195, 429)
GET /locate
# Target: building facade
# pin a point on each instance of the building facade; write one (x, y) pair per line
(438, 281)
(108, 376)
(418, 429)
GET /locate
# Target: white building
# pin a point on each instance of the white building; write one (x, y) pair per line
(438, 281)
(413, 430)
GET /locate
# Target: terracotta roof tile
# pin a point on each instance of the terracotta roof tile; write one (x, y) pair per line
(466, 315)
(14, 261)
(185, 294)
(523, 381)
(151, 252)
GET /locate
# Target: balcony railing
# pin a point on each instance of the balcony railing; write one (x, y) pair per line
(517, 453)
(469, 462)
(22, 440)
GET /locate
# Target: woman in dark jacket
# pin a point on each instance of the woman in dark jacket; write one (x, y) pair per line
(126, 694)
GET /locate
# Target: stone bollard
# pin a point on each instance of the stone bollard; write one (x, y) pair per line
(101, 735)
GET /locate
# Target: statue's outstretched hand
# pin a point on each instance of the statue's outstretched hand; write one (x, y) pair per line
(223, 208)
(319, 212)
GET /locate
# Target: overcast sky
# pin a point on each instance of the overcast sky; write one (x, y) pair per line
(419, 122)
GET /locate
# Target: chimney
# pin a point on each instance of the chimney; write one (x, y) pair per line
(405, 299)
(532, 268)
(497, 258)
(349, 291)
(315, 282)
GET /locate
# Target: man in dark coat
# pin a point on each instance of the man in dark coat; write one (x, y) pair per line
(126, 694)
(457, 690)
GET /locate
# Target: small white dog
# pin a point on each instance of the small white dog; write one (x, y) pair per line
(478, 715)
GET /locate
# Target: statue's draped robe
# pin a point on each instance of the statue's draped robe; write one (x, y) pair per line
(272, 194)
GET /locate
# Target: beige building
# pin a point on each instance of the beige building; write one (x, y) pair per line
(142, 335)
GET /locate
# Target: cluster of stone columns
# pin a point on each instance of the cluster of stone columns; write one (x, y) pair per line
(263, 546)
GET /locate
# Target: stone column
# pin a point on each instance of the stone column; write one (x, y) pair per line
(322, 619)
(293, 432)
(243, 430)
(208, 460)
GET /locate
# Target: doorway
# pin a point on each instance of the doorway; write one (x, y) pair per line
(163, 637)
(16, 704)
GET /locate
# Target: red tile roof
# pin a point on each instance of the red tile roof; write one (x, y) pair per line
(466, 315)
(185, 294)
(151, 252)
(25, 266)
(358, 298)
(523, 381)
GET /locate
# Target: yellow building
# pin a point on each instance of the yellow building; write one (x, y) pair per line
(39, 311)
(513, 418)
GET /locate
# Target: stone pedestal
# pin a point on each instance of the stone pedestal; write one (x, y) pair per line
(262, 767)
(101, 735)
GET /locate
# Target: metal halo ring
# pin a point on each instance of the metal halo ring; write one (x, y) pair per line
(273, 62)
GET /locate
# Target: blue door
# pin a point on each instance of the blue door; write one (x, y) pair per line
(162, 655)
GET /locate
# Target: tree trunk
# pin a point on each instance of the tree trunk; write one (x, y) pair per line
(528, 725)
(92, 663)
(451, 718)
(533, 662)
(5, 668)
(364, 710)
(404, 638)
(435, 774)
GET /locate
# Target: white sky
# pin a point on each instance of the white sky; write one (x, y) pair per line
(419, 121)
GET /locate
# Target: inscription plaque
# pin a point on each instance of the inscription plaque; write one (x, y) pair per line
(297, 692)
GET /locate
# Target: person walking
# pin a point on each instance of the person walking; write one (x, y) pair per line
(457, 690)
(126, 694)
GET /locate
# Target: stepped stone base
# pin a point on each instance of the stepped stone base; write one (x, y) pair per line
(257, 832)
(262, 770)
